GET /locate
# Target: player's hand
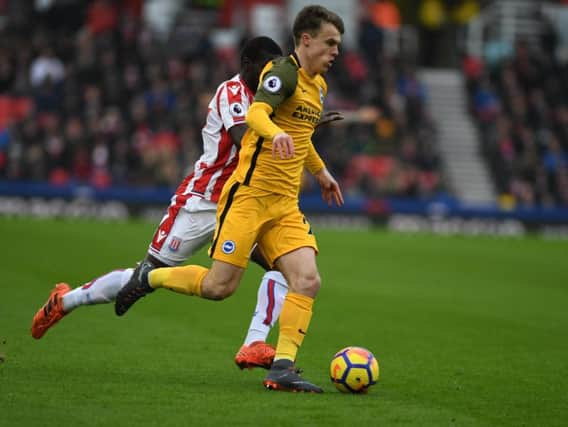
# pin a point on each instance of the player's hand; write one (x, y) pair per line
(328, 117)
(282, 146)
(330, 190)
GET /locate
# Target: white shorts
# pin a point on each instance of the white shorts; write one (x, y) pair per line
(186, 227)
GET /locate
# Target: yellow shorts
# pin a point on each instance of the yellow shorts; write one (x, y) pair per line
(247, 215)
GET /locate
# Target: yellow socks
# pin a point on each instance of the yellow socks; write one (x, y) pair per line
(185, 280)
(294, 321)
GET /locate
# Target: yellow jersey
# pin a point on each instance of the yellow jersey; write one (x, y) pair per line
(296, 101)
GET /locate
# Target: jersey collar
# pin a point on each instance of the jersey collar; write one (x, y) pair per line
(294, 56)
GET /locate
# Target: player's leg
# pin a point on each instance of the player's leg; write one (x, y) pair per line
(295, 258)
(304, 282)
(103, 289)
(173, 242)
(182, 232)
(184, 229)
(100, 290)
(216, 283)
(255, 352)
(230, 249)
(270, 297)
(63, 299)
(300, 267)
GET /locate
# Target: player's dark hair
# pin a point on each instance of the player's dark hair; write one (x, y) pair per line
(259, 49)
(254, 55)
(310, 19)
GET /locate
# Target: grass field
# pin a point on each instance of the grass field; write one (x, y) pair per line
(467, 331)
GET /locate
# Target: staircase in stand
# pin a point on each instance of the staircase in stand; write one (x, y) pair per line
(466, 171)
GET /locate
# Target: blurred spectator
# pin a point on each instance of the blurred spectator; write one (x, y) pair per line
(485, 102)
(432, 15)
(46, 67)
(7, 71)
(384, 14)
(102, 16)
(462, 14)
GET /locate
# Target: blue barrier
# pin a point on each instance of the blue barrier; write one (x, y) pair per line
(442, 205)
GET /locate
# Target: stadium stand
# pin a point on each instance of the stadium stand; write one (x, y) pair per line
(103, 101)
(519, 102)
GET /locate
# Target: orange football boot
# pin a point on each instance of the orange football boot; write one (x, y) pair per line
(255, 355)
(51, 312)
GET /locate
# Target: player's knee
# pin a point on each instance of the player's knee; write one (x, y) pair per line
(221, 282)
(309, 284)
(220, 293)
(314, 284)
(222, 290)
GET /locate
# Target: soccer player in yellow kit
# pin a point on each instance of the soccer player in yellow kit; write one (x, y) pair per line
(259, 203)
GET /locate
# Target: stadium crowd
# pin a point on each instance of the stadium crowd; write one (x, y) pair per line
(520, 102)
(102, 101)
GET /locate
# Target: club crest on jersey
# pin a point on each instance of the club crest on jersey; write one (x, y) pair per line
(234, 88)
(321, 95)
(236, 109)
(272, 84)
(174, 244)
(228, 247)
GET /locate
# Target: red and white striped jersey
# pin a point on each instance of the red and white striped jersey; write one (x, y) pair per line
(227, 108)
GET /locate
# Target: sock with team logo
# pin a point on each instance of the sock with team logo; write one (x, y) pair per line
(184, 280)
(294, 321)
(271, 294)
(101, 290)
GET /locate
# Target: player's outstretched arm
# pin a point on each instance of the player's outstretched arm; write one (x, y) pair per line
(328, 117)
(330, 190)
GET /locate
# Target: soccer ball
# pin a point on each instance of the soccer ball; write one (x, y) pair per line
(354, 370)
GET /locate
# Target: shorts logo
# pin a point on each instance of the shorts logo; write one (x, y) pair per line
(272, 84)
(228, 246)
(174, 244)
(236, 109)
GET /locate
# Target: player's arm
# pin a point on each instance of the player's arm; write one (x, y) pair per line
(237, 133)
(232, 105)
(258, 119)
(330, 190)
(278, 83)
(314, 162)
(328, 117)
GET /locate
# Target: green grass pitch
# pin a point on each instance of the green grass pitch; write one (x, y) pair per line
(468, 332)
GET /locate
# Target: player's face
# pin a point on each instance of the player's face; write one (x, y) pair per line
(323, 48)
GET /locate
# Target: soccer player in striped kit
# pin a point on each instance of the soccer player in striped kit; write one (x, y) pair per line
(190, 219)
